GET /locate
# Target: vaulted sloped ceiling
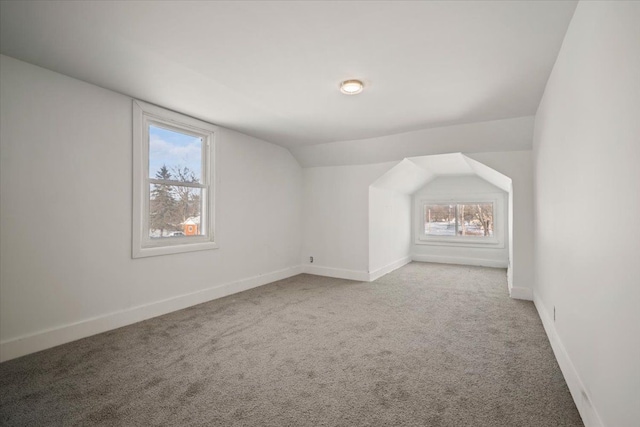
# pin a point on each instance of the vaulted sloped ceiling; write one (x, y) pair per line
(413, 173)
(272, 69)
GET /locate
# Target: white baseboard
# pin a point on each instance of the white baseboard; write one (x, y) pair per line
(520, 293)
(588, 413)
(376, 274)
(338, 273)
(459, 260)
(42, 340)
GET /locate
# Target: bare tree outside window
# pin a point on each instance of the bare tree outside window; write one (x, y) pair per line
(173, 207)
(461, 219)
(162, 205)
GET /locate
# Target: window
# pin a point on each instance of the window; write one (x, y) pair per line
(461, 220)
(173, 182)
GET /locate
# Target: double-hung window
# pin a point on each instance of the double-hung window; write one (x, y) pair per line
(173, 162)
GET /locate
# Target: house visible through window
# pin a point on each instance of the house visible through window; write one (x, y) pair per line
(459, 219)
(176, 183)
(173, 166)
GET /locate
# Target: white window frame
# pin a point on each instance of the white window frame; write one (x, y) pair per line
(144, 115)
(499, 221)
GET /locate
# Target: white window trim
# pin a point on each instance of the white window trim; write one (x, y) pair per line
(142, 246)
(499, 217)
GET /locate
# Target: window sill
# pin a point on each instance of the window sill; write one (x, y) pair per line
(460, 241)
(173, 249)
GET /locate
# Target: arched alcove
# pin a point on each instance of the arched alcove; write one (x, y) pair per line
(392, 211)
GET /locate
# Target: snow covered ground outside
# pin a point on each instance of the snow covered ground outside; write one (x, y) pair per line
(449, 229)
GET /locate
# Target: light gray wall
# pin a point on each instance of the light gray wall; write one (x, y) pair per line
(389, 229)
(517, 165)
(66, 212)
(336, 219)
(587, 211)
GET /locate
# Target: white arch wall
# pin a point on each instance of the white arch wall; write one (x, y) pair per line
(392, 220)
(510, 172)
(518, 166)
(389, 230)
(390, 216)
(336, 217)
(463, 187)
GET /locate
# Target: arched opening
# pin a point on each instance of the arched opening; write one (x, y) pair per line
(476, 230)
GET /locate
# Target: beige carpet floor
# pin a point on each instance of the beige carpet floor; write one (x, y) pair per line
(426, 345)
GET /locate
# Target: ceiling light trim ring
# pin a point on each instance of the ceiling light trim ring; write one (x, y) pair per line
(351, 87)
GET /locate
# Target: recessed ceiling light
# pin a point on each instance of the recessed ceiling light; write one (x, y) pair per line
(351, 87)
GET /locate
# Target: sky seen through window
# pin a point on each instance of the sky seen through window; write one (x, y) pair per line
(175, 150)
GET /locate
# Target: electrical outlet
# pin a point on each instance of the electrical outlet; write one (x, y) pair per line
(554, 313)
(311, 259)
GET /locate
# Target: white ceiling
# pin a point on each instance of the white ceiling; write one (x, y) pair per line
(272, 69)
(496, 135)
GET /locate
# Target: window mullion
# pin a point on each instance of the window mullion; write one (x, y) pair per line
(455, 213)
(176, 183)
